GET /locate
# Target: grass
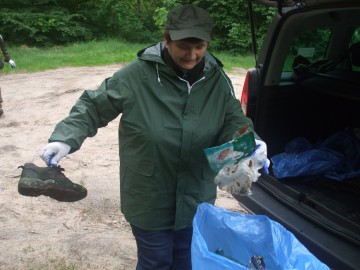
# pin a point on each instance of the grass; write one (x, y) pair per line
(239, 61)
(93, 53)
(53, 264)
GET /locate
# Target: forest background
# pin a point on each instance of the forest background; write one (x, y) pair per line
(46, 23)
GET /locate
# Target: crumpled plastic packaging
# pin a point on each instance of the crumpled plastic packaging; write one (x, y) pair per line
(238, 178)
(236, 163)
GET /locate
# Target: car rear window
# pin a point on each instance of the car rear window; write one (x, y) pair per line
(311, 44)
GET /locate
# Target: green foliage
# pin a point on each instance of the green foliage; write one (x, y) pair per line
(53, 22)
(227, 15)
(129, 20)
(40, 28)
(232, 27)
(160, 14)
(160, 17)
(262, 19)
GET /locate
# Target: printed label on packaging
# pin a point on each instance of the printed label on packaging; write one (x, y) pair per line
(230, 152)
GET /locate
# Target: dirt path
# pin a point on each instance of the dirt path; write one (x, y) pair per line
(41, 233)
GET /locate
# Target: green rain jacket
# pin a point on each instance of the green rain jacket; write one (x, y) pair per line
(164, 127)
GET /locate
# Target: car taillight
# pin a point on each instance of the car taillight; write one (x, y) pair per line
(245, 94)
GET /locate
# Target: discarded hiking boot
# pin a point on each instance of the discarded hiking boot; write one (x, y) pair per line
(48, 181)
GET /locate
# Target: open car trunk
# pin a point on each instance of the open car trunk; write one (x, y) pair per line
(322, 212)
(315, 208)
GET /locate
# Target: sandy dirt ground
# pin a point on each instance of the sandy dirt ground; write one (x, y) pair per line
(42, 233)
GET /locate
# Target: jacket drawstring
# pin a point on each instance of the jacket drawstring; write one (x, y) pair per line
(158, 75)
(229, 83)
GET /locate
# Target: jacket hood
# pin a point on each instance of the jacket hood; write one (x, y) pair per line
(153, 54)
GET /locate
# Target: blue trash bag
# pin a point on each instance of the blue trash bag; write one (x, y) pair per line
(312, 162)
(242, 236)
(337, 158)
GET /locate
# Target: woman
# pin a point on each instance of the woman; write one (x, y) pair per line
(175, 101)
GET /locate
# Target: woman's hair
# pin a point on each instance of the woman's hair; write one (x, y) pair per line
(167, 37)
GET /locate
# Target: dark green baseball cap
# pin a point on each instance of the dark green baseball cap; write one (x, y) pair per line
(189, 21)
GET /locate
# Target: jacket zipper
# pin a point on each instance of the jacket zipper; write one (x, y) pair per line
(188, 84)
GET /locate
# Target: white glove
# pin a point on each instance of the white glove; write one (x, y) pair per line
(12, 63)
(260, 154)
(53, 152)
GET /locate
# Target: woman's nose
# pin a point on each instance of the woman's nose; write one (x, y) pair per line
(192, 54)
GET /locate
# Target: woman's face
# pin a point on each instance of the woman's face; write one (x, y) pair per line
(186, 54)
